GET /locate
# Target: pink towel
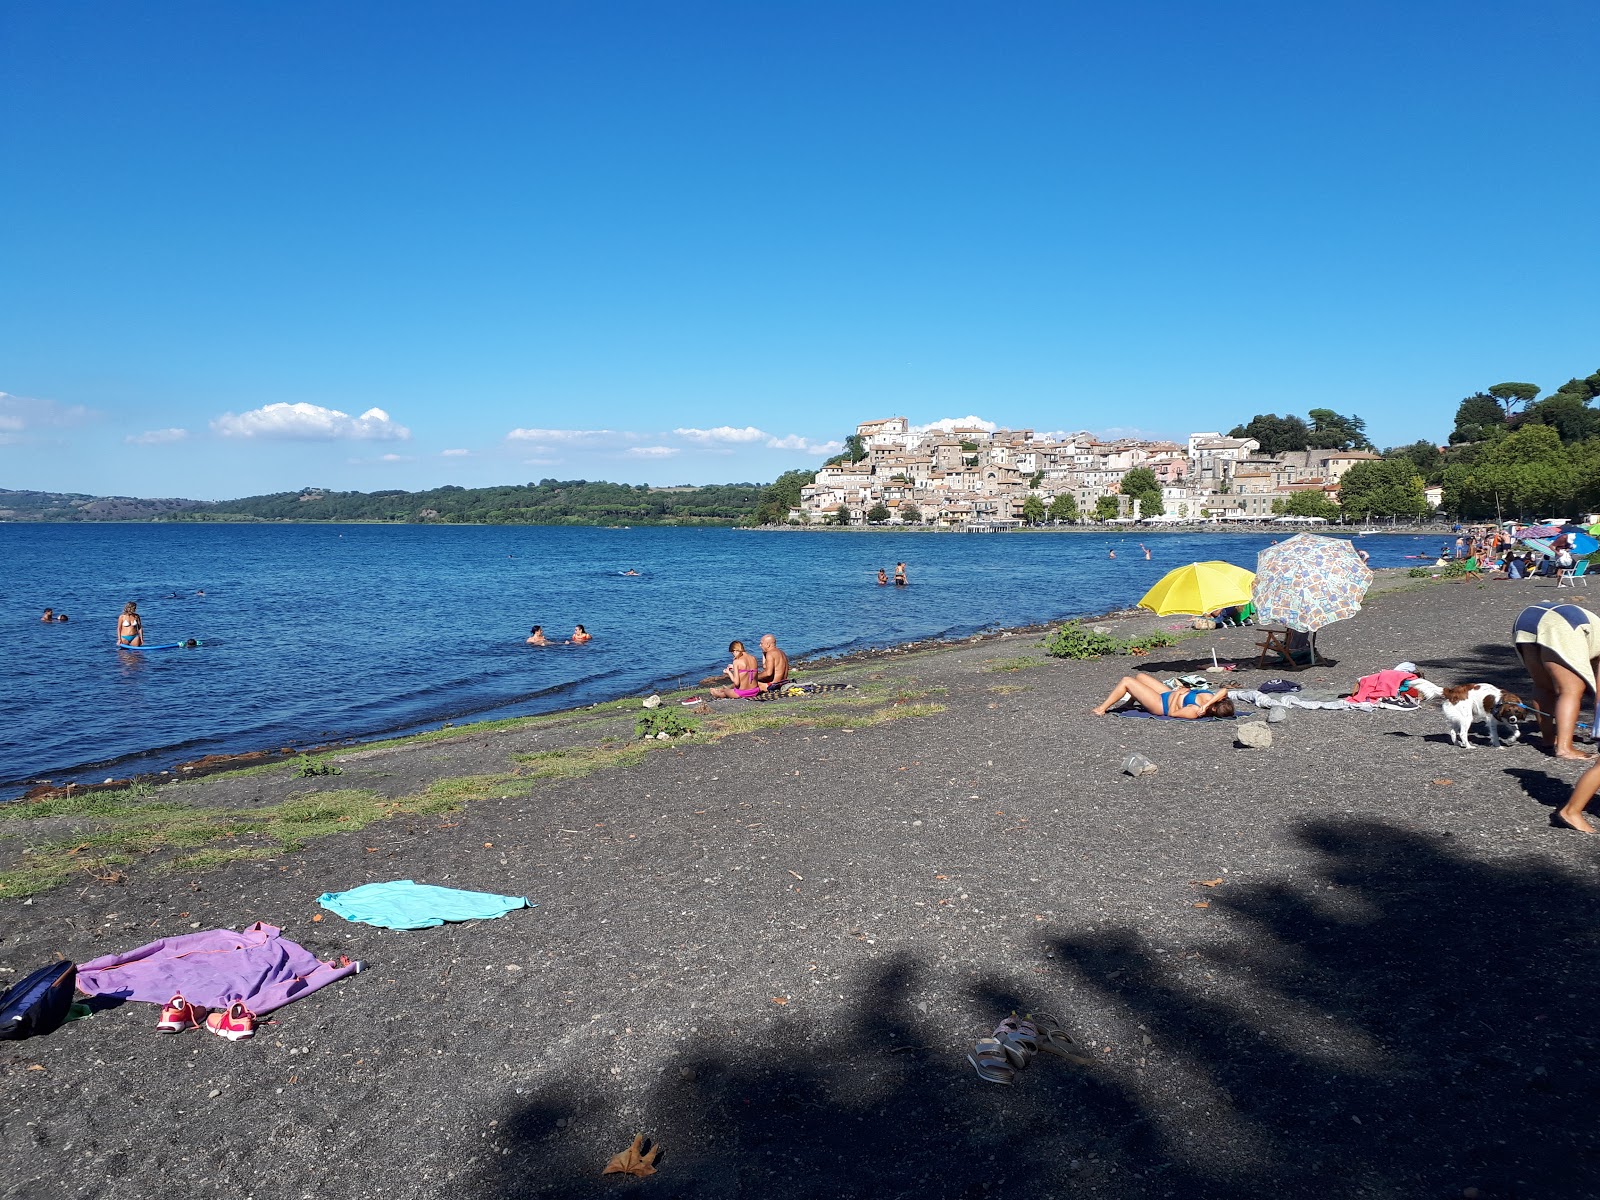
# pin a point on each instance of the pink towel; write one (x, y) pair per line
(215, 968)
(1385, 685)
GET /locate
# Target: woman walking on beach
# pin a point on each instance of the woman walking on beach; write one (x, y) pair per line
(130, 629)
(1156, 697)
(1560, 647)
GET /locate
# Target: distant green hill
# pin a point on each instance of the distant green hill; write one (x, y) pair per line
(548, 502)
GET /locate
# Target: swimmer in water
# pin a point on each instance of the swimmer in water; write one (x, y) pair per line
(1110, 553)
(630, 571)
(900, 575)
(536, 636)
(61, 616)
(130, 629)
(1146, 550)
(883, 577)
(580, 635)
(49, 615)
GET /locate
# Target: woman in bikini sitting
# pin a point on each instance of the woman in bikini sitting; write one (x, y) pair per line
(1154, 696)
(741, 673)
(580, 635)
(130, 629)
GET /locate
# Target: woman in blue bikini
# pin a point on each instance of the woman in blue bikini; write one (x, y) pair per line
(1154, 696)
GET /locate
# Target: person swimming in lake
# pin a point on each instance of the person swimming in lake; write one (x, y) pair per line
(50, 613)
(580, 635)
(630, 571)
(61, 616)
(536, 636)
(1146, 550)
(1156, 697)
(130, 629)
(1110, 553)
(883, 579)
(741, 674)
(900, 575)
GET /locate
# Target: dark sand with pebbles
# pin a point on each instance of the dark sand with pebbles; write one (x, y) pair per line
(772, 953)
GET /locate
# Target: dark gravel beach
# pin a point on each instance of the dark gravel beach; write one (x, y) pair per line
(773, 952)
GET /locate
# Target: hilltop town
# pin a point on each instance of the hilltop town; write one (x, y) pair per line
(894, 473)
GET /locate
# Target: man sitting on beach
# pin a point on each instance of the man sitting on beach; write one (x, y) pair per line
(774, 665)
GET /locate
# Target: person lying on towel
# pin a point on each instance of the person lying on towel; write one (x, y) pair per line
(1156, 697)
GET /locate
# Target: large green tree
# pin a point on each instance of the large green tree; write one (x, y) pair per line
(1033, 510)
(911, 514)
(1276, 434)
(1567, 413)
(1330, 431)
(1512, 394)
(1140, 484)
(1064, 507)
(1424, 455)
(1528, 473)
(1383, 487)
(878, 513)
(782, 494)
(1308, 503)
(1106, 507)
(1478, 417)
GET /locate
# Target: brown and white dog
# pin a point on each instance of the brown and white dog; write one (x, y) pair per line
(1468, 702)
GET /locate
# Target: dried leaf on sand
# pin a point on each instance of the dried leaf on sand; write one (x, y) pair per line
(635, 1160)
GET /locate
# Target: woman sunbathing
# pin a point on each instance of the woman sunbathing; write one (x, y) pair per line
(1154, 696)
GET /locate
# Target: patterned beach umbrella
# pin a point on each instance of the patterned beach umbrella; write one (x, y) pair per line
(1310, 581)
(1200, 587)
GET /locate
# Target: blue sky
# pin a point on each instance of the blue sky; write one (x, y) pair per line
(697, 242)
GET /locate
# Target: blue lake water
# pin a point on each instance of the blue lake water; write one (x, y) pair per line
(318, 632)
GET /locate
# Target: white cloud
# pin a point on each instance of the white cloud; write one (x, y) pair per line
(565, 435)
(542, 462)
(397, 458)
(455, 453)
(803, 444)
(946, 424)
(156, 437)
(21, 413)
(652, 451)
(310, 422)
(723, 434)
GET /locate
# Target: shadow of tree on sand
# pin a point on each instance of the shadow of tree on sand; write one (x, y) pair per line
(1401, 1019)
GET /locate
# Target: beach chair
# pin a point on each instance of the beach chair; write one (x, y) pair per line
(1294, 649)
(1574, 575)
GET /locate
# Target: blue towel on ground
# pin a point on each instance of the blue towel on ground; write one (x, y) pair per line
(404, 904)
(1150, 716)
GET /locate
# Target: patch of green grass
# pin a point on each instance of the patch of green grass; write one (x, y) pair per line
(577, 761)
(1009, 689)
(1020, 663)
(899, 712)
(85, 804)
(205, 860)
(33, 878)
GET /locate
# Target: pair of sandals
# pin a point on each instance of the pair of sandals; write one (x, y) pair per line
(1015, 1041)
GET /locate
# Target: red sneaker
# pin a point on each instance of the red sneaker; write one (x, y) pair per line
(178, 1014)
(236, 1022)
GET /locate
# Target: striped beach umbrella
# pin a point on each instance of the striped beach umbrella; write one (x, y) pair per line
(1309, 581)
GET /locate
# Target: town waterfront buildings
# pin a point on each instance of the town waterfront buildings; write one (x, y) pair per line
(977, 476)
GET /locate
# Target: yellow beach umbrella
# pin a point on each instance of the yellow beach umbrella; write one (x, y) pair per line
(1198, 588)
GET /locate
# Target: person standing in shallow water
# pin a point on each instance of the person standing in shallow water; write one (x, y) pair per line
(900, 575)
(130, 629)
(883, 578)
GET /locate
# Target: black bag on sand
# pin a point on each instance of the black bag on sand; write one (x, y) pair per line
(39, 1003)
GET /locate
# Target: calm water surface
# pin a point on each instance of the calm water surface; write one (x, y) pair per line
(316, 632)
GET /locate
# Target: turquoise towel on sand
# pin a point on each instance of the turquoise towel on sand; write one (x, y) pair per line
(404, 904)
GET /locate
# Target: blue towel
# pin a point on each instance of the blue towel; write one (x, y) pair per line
(403, 904)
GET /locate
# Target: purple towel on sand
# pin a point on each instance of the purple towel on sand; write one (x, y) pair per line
(215, 968)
